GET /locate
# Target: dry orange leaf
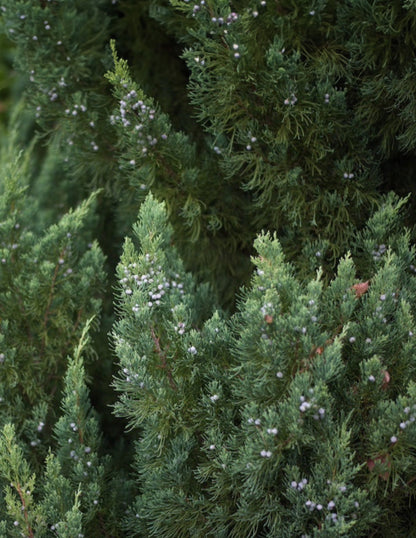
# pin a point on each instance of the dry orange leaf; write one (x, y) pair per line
(382, 458)
(386, 380)
(360, 288)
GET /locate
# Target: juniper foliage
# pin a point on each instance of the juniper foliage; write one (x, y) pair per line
(207, 268)
(50, 284)
(294, 416)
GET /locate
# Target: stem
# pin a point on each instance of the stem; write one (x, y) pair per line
(75, 327)
(29, 528)
(80, 432)
(48, 306)
(162, 355)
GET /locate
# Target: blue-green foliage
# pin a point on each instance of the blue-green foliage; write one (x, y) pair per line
(296, 416)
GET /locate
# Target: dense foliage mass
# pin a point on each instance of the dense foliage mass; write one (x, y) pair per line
(207, 268)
